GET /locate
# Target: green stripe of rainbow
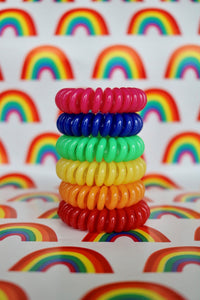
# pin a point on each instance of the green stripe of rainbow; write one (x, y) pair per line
(76, 258)
(11, 291)
(19, 20)
(20, 103)
(46, 58)
(172, 259)
(182, 59)
(16, 180)
(7, 212)
(142, 234)
(33, 232)
(44, 196)
(132, 290)
(159, 181)
(180, 212)
(87, 18)
(188, 197)
(181, 145)
(161, 103)
(42, 146)
(50, 214)
(120, 57)
(146, 18)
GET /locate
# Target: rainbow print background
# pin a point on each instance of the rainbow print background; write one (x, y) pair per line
(47, 45)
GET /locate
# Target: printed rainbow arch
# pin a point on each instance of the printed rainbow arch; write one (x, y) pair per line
(198, 117)
(52, 0)
(77, 259)
(87, 18)
(156, 180)
(162, 104)
(3, 154)
(147, 18)
(158, 211)
(50, 214)
(142, 234)
(33, 232)
(172, 259)
(183, 59)
(7, 212)
(120, 57)
(191, 197)
(41, 147)
(19, 20)
(132, 290)
(11, 291)
(197, 234)
(19, 103)
(185, 143)
(31, 196)
(48, 58)
(17, 180)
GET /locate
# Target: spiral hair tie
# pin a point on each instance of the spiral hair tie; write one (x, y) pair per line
(114, 196)
(114, 125)
(117, 100)
(105, 220)
(102, 173)
(98, 148)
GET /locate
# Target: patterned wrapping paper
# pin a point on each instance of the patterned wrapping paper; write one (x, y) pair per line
(44, 47)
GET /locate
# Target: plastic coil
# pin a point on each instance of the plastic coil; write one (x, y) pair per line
(98, 148)
(114, 125)
(116, 100)
(105, 220)
(115, 196)
(102, 173)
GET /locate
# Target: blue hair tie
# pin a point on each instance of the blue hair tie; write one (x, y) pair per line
(125, 124)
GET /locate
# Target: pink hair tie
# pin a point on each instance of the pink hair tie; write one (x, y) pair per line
(116, 100)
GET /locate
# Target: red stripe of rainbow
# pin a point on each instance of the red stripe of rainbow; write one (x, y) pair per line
(120, 57)
(16, 180)
(7, 212)
(89, 19)
(20, 103)
(162, 104)
(182, 59)
(159, 181)
(44, 196)
(19, 20)
(146, 18)
(159, 211)
(11, 291)
(188, 197)
(46, 58)
(182, 144)
(33, 232)
(172, 259)
(77, 259)
(142, 234)
(42, 146)
(132, 290)
(3, 154)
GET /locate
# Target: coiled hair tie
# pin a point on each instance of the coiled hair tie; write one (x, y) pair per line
(116, 100)
(114, 196)
(114, 125)
(105, 220)
(98, 148)
(102, 173)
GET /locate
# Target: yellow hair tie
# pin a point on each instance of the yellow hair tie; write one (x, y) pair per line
(76, 172)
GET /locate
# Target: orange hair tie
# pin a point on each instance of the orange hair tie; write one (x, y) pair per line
(114, 196)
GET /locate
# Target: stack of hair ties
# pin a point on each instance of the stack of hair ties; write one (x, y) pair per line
(101, 165)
